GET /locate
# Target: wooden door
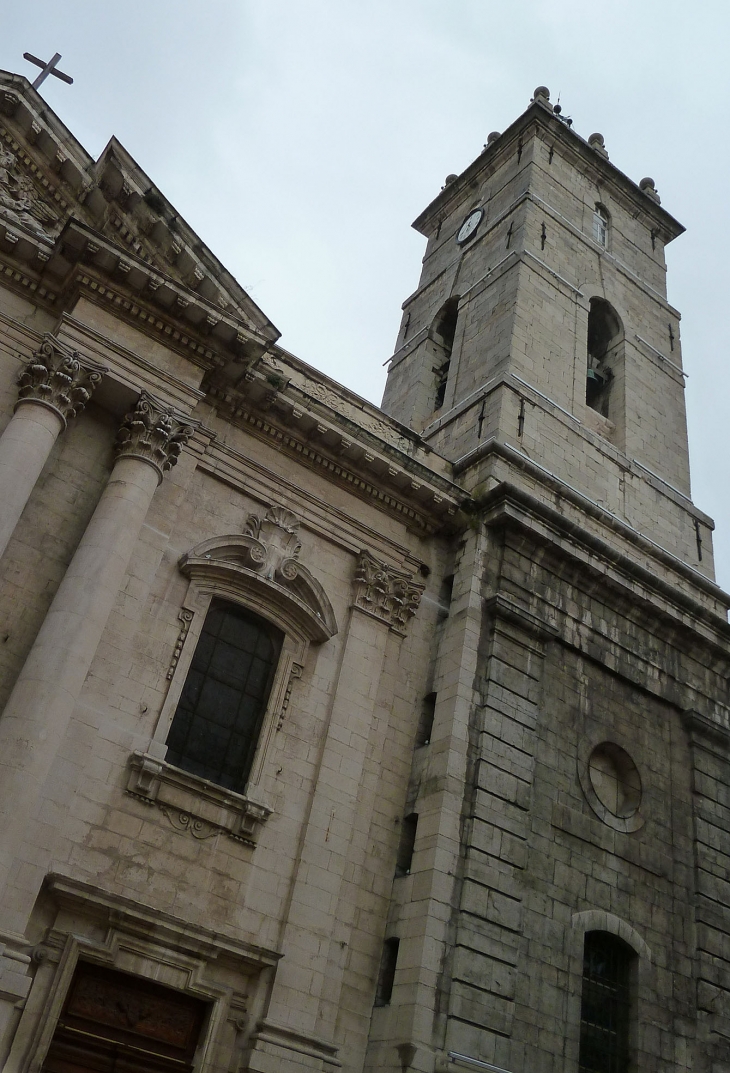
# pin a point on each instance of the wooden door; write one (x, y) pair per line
(113, 1022)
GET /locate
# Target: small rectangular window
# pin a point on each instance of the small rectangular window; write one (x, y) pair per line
(386, 976)
(446, 592)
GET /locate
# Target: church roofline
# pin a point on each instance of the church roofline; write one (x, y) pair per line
(92, 185)
(542, 115)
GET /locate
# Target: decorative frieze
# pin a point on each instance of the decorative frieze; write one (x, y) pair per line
(20, 201)
(153, 433)
(58, 378)
(385, 593)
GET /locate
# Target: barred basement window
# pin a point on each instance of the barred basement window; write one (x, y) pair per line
(216, 726)
(605, 1004)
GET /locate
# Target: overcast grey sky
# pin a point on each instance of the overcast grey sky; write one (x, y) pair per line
(300, 138)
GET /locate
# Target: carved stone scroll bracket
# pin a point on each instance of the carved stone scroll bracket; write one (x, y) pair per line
(193, 805)
(385, 593)
(183, 821)
(153, 433)
(58, 378)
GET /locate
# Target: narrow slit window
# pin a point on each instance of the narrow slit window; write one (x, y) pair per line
(444, 333)
(605, 1004)
(386, 976)
(407, 844)
(216, 726)
(425, 723)
(446, 592)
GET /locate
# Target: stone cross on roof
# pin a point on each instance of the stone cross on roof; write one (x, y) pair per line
(47, 69)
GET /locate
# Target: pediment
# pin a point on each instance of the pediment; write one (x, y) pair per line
(262, 565)
(48, 183)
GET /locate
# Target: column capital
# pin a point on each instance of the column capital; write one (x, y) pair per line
(153, 433)
(57, 377)
(387, 594)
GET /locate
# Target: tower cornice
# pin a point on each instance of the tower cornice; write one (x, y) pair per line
(540, 117)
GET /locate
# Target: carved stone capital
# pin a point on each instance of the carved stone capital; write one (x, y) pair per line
(58, 378)
(153, 433)
(385, 593)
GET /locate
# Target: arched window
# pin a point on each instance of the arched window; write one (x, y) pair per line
(606, 1005)
(604, 335)
(216, 725)
(444, 331)
(601, 221)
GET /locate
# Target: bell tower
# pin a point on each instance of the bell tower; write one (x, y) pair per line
(541, 323)
(565, 906)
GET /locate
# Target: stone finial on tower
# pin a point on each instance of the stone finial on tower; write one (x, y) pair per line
(647, 186)
(542, 96)
(596, 142)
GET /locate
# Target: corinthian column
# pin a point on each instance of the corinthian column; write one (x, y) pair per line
(54, 386)
(37, 715)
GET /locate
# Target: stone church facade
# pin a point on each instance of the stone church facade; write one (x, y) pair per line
(345, 738)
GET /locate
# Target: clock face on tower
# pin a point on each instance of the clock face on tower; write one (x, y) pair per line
(469, 226)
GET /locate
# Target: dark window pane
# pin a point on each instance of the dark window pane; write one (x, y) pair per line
(605, 1004)
(218, 718)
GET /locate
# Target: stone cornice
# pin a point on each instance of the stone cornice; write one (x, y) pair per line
(422, 500)
(611, 521)
(136, 918)
(673, 613)
(712, 735)
(538, 116)
(138, 292)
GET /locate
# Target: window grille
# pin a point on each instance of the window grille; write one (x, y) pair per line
(605, 1004)
(216, 725)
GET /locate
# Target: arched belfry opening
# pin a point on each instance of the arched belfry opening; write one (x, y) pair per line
(443, 334)
(605, 339)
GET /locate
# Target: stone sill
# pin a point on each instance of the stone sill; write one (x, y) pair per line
(194, 804)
